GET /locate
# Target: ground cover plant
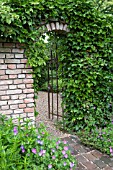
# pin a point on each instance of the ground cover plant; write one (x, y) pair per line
(87, 61)
(29, 148)
(99, 138)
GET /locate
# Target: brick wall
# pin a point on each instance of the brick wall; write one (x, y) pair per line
(16, 91)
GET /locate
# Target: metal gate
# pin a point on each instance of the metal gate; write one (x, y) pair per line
(54, 91)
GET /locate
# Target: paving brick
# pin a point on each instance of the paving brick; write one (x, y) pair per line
(81, 158)
(106, 159)
(90, 165)
(99, 163)
(108, 168)
(89, 156)
(96, 153)
(80, 167)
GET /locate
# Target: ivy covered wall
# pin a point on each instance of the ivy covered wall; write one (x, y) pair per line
(87, 60)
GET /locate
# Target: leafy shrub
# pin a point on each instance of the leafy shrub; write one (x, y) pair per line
(101, 138)
(25, 147)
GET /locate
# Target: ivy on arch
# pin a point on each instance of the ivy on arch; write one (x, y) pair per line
(88, 61)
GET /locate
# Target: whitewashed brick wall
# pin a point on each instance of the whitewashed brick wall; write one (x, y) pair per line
(16, 83)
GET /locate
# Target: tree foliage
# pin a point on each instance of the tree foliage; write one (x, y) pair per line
(87, 60)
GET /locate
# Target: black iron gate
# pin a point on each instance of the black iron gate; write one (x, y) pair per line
(54, 90)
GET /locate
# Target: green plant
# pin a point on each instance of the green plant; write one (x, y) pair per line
(86, 62)
(26, 147)
(99, 138)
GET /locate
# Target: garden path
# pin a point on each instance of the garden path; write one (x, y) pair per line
(88, 158)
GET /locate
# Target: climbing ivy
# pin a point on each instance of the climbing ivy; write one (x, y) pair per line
(87, 61)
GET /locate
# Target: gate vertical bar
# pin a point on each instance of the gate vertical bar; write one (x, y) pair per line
(57, 77)
(52, 82)
(48, 92)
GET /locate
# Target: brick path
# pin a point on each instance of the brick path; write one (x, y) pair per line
(88, 158)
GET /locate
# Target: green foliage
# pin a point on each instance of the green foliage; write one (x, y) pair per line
(25, 147)
(86, 61)
(101, 138)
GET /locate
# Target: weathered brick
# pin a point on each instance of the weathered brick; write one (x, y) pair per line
(18, 55)
(18, 91)
(3, 103)
(14, 116)
(3, 93)
(30, 114)
(30, 100)
(21, 76)
(28, 81)
(21, 106)
(29, 85)
(22, 96)
(16, 50)
(12, 86)
(18, 81)
(2, 55)
(3, 66)
(30, 105)
(11, 66)
(1, 61)
(26, 70)
(18, 71)
(23, 115)
(21, 86)
(4, 87)
(28, 90)
(30, 95)
(29, 76)
(2, 72)
(14, 106)
(20, 45)
(29, 110)
(14, 96)
(3, 50)
(23, 61)
(20, 66)
(13, 76)
(9, 56)
(5, 97)
(6, 82)
(4, 77)
(7, 112)
(8, 61)
(6, 107)
(9, 44)
(18, 111)
(15, 102)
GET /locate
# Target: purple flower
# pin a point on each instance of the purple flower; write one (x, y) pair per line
(40, 142)
(65, 156)
(42, 152)
(65, 163)
(71, 164)
(49, 166)
(15, 130)
(58, 142)
(111, 150)
(65, 142)
(53, 150)
(38, 136)
(34, 150)
(22, 146)
(53, 157)
(63, 152)
(65, 148)
(23, 149)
